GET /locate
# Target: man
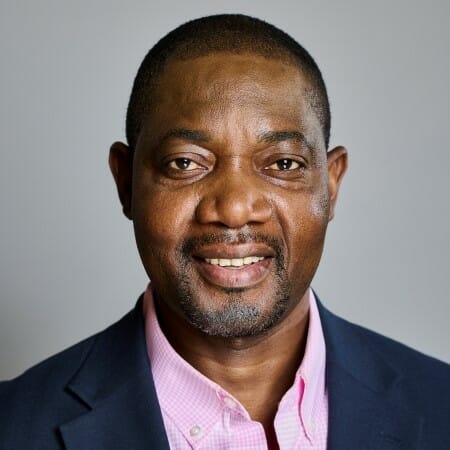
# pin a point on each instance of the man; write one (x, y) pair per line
(230, 185)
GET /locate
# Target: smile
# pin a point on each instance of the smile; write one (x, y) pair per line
(242, 265)
(234, 262)
(242, 272)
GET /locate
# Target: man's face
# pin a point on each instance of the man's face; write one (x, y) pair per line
(230, 194)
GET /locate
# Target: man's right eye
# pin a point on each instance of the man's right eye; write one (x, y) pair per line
(184, 164)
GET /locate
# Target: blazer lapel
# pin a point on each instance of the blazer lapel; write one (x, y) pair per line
(116, 385)
(367, 408)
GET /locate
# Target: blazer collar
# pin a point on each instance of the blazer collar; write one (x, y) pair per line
(366, 406)
(115, 383)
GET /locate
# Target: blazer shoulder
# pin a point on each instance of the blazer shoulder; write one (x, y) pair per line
(423, 378)
(341, 332)
(54, 366)
(390, 386)
(69, 359)
(404, 357)
(38, 398)
(30, 400)
(54, 371)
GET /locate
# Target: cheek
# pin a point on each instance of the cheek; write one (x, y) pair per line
(305, 224)
(161, 218)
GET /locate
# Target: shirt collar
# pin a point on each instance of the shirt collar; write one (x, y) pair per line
(311, 373)
(181, 388)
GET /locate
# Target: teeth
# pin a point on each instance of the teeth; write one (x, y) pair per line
(234, 262)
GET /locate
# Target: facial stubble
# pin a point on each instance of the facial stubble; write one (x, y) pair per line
(236, 317)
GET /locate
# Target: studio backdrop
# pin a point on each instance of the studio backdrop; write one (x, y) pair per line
(68, 263)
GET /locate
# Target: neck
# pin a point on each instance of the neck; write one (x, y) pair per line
(257, 371)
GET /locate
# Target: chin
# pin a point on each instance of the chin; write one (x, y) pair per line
(233, 312)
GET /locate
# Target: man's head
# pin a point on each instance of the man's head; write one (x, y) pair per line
(231, 33)
(227, 178)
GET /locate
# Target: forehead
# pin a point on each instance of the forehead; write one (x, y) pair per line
(222, 88)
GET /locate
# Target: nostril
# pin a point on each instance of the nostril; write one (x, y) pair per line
(234, 208)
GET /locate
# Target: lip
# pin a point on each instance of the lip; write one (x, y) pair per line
(227, 251)
(234, 277)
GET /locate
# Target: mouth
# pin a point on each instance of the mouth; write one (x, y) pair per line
(235, 263)
(234, 266)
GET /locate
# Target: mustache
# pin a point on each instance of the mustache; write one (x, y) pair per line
(230, 237)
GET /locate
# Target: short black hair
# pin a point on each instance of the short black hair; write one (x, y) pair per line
(231, 33)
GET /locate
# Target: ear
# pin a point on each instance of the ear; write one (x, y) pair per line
(121, 165)
(337, 165)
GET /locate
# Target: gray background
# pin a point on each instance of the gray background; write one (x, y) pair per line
(68, 264)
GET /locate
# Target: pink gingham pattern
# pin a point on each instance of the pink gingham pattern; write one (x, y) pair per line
(199, 414)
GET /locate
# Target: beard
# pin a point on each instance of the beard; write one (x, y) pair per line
(237, 317)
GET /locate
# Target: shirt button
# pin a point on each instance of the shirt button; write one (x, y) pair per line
(195, 431)
(229, 402)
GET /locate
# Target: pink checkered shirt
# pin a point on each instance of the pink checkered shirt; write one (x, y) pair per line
(199, 414)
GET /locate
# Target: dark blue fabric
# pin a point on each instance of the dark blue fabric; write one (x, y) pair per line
(99, 394)
(382, 394)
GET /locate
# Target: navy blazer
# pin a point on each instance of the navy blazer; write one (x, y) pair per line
(99, 394)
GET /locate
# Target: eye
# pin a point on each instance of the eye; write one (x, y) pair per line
(284, 165)
(184, 164)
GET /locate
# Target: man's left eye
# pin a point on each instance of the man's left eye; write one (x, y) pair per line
(284, 164)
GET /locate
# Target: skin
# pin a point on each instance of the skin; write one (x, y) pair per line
(232, 161)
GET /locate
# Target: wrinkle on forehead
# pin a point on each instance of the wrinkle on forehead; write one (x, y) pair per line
(217, 92)
(234, 79)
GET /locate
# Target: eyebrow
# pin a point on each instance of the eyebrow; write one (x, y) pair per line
(186, 134)
(270, 137)
(273, 137)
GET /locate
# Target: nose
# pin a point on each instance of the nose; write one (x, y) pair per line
(234, 201)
